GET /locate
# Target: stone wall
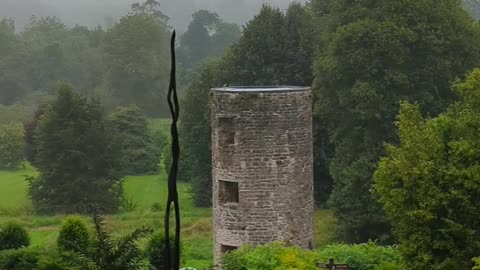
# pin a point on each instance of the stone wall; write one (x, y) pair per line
(262, 168)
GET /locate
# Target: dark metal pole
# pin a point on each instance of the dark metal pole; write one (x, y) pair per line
(173, 262)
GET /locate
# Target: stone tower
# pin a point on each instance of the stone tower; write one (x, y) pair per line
(262, 167)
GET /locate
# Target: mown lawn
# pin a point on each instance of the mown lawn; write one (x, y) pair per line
(13, 191)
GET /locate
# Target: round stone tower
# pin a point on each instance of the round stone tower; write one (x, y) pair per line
(262, 167)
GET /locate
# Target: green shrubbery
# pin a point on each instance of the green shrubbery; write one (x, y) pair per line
(74, 236)
(156, 250)
(272, 256)
(27, 259)
(21, 259)
(367, 256)
(13, 236)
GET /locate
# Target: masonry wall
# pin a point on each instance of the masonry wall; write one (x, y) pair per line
(262, 150)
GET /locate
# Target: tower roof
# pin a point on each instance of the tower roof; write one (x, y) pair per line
(260, 89)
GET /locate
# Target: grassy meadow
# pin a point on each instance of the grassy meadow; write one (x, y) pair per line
(145, 198)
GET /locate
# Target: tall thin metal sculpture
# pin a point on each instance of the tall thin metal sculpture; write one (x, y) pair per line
(173, 262)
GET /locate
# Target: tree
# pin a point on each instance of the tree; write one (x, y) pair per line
(11, 146)
(77, 158)
(30, 150)
(372, 54)
(12, 87)
(429, 183)
(151, 9)
(207, 36)
(138, 70)
(195, 133)
(139, 153)
(46, 59)
(257, 58)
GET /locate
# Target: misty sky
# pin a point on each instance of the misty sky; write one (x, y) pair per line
(95, 12)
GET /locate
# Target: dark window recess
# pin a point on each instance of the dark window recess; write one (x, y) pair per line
(227, 129)
(228, 191)
(225, 248)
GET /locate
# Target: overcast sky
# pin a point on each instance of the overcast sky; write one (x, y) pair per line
(95, 12)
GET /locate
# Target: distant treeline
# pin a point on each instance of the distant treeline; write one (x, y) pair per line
(125, 64)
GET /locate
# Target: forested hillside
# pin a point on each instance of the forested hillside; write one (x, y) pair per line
(102, 62)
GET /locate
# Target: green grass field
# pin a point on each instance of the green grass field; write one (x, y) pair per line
(142, 191)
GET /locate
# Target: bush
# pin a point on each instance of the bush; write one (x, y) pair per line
(109, 253)
(74, 236)
(368, 256)
(156, 250)
(476, 260)
(21, 259)
(13, 236)
(157, 207)
(272, 256)
(53, 262)
(11, 146)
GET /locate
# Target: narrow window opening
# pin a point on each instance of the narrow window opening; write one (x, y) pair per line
(227, 129)
(225, 248)
(228, 192)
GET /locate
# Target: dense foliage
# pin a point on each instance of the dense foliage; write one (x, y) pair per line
(74, 236)
(367, 256)
(429, 183)
(207, 36)
(371, 55)
(77, 156)
(110, 254)
(156, 249)
(13, 236)
(138, 71)
(21, 259)
(277, 58)
(11, 146)
(139, 153)
(30, 150)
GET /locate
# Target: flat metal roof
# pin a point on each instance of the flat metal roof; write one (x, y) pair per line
(259, 89)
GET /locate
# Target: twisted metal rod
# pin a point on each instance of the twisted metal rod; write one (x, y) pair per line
(173, 262)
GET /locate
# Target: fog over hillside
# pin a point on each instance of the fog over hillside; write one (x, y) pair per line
(95, 12)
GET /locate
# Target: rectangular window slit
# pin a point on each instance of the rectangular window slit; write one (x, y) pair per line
(225, 248)
(228, 192)
(227, 129)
